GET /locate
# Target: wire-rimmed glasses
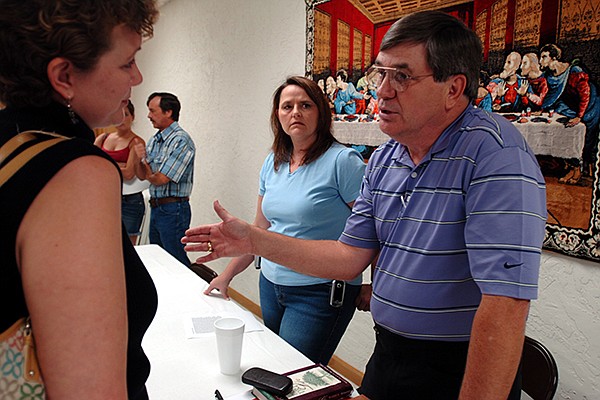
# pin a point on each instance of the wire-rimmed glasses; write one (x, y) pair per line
(399, 80)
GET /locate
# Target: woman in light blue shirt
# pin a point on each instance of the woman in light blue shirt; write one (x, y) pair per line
(308, 184)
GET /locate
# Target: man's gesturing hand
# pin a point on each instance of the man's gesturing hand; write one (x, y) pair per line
(230, 238)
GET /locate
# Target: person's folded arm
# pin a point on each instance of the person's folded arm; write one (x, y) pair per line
(128, 170)
(156, 178)
(69, 250)
(144, 172)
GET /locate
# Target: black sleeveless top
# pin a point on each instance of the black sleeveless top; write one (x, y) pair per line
(17, 194)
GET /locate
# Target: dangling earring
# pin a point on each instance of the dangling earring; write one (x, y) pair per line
(72, 115)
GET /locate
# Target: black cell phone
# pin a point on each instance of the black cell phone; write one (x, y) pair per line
(336, 296)
(272, 382)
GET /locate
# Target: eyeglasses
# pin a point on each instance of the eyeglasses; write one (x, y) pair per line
(398, 79)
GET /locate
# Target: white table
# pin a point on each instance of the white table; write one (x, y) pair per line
(551, 139)
(183, 368)
(367, 133)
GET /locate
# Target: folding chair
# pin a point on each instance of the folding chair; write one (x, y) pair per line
(539, 371)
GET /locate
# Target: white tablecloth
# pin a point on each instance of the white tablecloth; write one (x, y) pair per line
(183, 368)
(551, 139)
(367, 133)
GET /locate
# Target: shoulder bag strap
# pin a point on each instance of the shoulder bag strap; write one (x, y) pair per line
(7, 171)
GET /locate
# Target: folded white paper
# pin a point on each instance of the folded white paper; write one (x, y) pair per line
(202, 325)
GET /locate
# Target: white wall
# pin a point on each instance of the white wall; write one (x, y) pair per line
(566, 318)
(223, 59)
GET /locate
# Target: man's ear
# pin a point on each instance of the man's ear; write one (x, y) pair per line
(456, 89)
(60, 75)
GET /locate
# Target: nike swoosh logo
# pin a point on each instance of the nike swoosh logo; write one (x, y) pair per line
(509, 266)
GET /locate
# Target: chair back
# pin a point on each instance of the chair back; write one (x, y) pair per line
(539, 371)
(204, 272)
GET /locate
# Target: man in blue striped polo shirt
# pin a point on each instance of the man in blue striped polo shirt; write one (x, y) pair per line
(454, 204)
(168, 164)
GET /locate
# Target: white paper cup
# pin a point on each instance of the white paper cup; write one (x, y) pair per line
(230, 334)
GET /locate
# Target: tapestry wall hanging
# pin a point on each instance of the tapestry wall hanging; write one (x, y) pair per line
(540, 70)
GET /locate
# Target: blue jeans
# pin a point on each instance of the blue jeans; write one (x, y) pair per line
(302, 316)
(132, 212)
(168, 223)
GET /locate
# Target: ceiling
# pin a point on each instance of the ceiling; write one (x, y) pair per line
(385, 10)
(388, 10)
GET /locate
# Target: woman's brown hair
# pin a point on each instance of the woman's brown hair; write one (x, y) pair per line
(282, 143)
(34, 32)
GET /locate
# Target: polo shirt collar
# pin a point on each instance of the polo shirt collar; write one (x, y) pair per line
(449, 133)
(400, 153)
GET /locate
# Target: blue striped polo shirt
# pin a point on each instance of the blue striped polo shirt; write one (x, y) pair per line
(468, 220)
(171, 152)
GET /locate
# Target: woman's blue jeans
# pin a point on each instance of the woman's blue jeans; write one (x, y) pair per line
(302, 316)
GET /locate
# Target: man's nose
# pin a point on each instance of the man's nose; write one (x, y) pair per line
(385, 89)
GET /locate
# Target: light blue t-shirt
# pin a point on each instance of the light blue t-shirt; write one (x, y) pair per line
(310, 203)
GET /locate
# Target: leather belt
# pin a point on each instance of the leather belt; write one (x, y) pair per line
(133, 194)
(166, 200)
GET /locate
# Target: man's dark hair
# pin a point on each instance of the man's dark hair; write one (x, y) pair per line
(168, 102)
(342, 74)
(553, 50)
(452, 48)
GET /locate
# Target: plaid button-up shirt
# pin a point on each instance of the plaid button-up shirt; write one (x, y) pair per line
(171, 152)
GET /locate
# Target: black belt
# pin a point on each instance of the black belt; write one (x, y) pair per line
(166, 200)
(395, 343)
(133, 194)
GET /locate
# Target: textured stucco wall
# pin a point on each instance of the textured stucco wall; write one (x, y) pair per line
(224, 58)
(566, 318)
